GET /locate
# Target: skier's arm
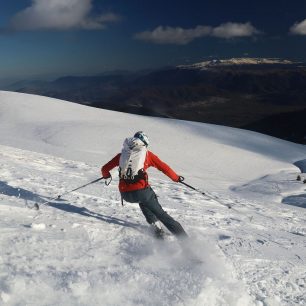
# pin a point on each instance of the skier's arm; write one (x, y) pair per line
(154, 161)
(110, 165)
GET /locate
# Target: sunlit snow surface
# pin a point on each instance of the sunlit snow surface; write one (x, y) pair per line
(87, 249)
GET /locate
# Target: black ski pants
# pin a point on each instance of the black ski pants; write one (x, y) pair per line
(152, 210)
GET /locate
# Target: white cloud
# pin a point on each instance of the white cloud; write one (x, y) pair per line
(299, 28)
(233, 30)
(60, 15)
(180, 36)
(169, 35)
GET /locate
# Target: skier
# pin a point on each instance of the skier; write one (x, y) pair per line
(133, 161)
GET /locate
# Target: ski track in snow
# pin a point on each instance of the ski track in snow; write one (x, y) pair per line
(88, 250)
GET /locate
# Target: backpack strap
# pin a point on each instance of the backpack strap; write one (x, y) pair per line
(141, 175)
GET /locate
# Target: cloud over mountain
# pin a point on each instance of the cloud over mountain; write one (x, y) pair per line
(169, 35)
(232, 30)
(60, 15)
(180, 36)
(299, 28)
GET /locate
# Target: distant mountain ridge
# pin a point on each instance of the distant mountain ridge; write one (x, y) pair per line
(238, 61)
(238, 92)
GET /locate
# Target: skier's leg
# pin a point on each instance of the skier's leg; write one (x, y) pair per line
(153, 221)
(150, 217)
(153, 205)
(139, 196)
(152, 210)
(131, 196)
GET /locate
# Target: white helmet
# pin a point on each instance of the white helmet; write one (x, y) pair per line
(143, 137)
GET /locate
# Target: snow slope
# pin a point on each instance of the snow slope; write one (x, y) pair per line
(89, 250)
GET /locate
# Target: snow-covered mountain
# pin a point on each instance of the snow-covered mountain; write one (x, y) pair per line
(88, 250)
(254, 96)
(240, 61)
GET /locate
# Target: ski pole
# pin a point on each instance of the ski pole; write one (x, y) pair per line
(203, 193)
(229, 206)
(36, 206)
(193, 188)
(67, 192)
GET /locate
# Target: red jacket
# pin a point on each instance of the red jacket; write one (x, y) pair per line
(151, 161)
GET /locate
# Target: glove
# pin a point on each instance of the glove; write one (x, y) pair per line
(107, 182)
(105, 174)
(181, 179)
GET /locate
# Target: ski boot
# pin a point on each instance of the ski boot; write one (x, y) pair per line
(158, 230)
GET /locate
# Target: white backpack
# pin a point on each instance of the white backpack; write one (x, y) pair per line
(132, 159)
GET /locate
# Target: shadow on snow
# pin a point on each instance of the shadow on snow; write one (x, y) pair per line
(83, 211)
(27, 195)
(19, 193)
(296, 200)
(301, 164)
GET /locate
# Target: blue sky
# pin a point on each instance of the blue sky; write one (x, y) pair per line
(77, 37)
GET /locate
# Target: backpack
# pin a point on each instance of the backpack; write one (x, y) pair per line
(132, 159)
